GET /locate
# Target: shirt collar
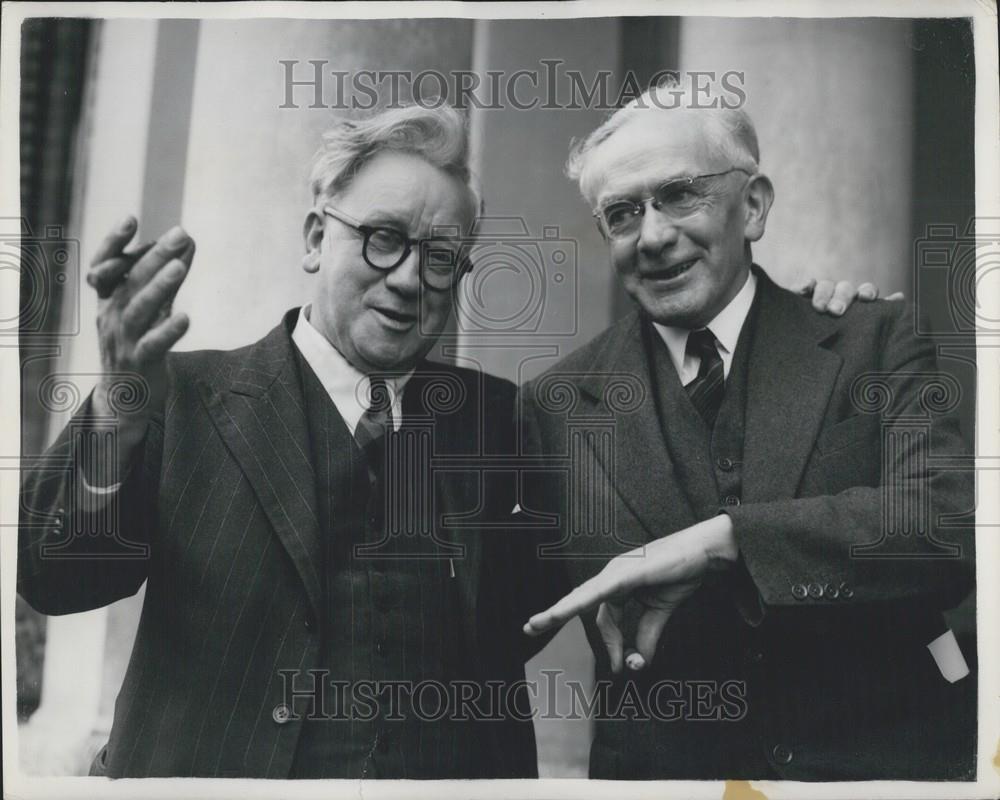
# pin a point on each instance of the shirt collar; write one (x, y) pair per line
(726, 325)
(346, 385)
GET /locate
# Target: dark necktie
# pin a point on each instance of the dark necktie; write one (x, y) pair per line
(707, 388)
(374, 425)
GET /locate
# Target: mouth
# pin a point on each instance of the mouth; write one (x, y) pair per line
(395, 320)
(669, 273)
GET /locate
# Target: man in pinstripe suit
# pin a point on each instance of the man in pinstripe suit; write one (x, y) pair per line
(286, 630)
(256, 492)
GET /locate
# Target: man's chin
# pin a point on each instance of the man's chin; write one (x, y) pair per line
(388, 358)
(676, 312)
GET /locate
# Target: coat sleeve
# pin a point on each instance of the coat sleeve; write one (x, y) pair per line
(78, 550)
(791, 547)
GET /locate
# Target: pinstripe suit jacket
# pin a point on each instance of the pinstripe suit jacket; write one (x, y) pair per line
(218, 516)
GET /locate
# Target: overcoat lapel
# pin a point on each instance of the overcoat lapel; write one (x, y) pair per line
(644, 474)
(261, 418)
(791, 376)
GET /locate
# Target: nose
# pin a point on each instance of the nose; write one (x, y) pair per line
(405, 278)
(656, 232)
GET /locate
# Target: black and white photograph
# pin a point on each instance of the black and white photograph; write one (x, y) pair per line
(543, 400)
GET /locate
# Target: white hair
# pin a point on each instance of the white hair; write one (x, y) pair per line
(730, 131)
(438, 134)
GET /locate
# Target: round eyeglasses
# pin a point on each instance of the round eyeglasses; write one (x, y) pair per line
(676, 199)
(442, 261)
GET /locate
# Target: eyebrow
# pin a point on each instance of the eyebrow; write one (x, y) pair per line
(388, 219)
(616, 196)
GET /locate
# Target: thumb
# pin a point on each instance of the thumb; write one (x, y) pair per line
(650, 628)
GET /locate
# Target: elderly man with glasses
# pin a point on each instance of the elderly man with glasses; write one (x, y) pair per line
(781, 547)
(319, 602)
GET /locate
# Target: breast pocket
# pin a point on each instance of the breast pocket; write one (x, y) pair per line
(861, 428)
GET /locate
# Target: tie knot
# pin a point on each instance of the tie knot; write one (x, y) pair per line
(701, 343)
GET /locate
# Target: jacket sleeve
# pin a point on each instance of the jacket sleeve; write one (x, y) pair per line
(77, 549)
(812, 550)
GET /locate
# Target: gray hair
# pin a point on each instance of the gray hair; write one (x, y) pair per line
(730, 130)
(437, 134)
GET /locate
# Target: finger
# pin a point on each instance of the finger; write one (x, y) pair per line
(647, 636)
(113, 244)
(895, 296)
(609, 617)
(583, 598)
(145, 306)
(158, 340)
(169, 246)
(108, 274)
(868, 291)
(822, 295)
(807, 288)
(843, 295)
(188, 255)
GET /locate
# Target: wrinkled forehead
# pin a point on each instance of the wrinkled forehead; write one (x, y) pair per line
(651, 147)
(405, 190)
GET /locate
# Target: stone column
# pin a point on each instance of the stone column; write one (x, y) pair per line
(832, 102)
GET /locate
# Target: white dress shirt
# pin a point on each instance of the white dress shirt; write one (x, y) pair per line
(348, 387)
(726, 327)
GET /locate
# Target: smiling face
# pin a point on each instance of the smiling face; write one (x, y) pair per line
(383, 320)
(681, 272)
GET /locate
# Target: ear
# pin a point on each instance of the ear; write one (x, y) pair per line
(312, 234)
(759, 197)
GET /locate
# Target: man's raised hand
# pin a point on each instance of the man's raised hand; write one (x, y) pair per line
(135, 324)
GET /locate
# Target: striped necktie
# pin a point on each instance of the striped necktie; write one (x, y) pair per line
(707, 388)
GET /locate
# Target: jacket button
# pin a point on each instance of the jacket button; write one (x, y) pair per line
(799, 591)
(782, 754)
(725, 464)
(831, 591)
(815, 591)
(732, 500)
(281, 714)
(846, 591)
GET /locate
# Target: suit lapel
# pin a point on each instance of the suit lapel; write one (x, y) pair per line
(644, 475)
(789, 383)
(261, 418)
